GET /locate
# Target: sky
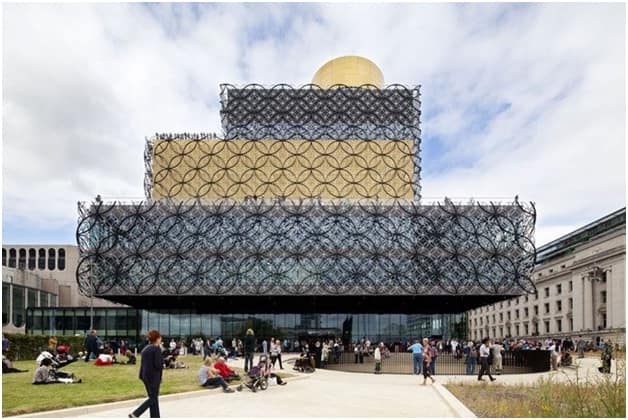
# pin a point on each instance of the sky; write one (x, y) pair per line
(517, 99)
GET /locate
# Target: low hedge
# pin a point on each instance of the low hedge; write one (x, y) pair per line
(28, 347)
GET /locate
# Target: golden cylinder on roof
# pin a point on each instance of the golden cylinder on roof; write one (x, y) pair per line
(350, 70)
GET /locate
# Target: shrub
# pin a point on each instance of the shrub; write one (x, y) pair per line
(28, 347)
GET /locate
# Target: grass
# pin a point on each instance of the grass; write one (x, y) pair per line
(574, 397)
(101, 384)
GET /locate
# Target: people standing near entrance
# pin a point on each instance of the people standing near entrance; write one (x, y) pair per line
(417, 357)
(485, 351)
(580, 345)
(377, 355)
(553, 355)
(276, 356)
(497, 350)
(471, 359)
(428, 351)
(151, 370)
(249, 349)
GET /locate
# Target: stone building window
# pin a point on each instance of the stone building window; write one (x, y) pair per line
(12, 257)
(4, 257)
(21, 263)
(570, 286)
(61, 260)
(32, 256)
(603, 296)
(559, 289)
(559, 325)
(51, 259)
(547, 308)
(547, 327)
(547, 292)
(559, 306)
(41, 261)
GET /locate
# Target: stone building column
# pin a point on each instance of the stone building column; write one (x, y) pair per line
(588, 303)
(609, 298)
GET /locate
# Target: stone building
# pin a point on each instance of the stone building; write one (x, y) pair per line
(581, 289)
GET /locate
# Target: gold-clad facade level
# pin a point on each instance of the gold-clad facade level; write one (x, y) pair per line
(239, 169)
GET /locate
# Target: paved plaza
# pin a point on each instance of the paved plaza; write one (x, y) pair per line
(329, 394)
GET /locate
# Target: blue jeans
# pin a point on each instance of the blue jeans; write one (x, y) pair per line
(471, 366)
(418, 363)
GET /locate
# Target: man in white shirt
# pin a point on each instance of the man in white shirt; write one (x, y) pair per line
(485, 350)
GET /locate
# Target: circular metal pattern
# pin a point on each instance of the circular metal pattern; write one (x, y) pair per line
(298, 142)
(305, 247)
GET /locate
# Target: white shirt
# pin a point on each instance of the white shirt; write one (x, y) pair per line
(484, 351)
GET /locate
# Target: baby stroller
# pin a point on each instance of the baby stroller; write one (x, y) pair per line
(305, 363)
(258, 375)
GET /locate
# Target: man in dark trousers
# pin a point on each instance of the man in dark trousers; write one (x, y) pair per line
(485, 351)
(249, 349)
(91, 345)
(151, 373)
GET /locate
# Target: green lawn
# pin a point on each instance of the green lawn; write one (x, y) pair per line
(100, 384)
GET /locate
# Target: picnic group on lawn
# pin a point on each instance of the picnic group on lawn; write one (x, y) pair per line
(216, 373)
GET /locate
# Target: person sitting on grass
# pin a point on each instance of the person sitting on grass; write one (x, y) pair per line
(226, 372)
(7, 366)
(45, 375)
(210, 378)
(131, 359)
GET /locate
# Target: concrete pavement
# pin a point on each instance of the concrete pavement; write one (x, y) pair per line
(328, 393)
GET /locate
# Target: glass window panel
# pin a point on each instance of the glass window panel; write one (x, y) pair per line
(69, 321)
(41, 261)
(32, 254)
(32, 298)
(43, 298)
(82, 321)
(6, 288)
(100, 322)
(53, 300)
(18, 306)
(111, 322)
(195, 325)
(38, 325)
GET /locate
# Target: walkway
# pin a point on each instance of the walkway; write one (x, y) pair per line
(323, 393)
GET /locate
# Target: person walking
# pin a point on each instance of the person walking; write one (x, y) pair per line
(485, 351)
(151, 371)
(497, 358)
(417, 357)
(433, 356)
(580, 345)
(91, 346)
(264, 346)
(428, 352)
(249, 349)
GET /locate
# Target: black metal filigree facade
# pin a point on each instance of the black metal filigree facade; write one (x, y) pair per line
(285, 247)
(309, 192)
(307, 142)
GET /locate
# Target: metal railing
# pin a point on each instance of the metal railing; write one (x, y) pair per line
(526, 361)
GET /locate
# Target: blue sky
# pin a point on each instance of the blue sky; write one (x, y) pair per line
(516, 99)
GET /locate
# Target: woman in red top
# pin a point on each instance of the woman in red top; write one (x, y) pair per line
(225, 371)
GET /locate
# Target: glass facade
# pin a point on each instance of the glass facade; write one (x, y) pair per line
(132, 323)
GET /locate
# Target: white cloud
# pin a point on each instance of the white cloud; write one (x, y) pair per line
(83, 85)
